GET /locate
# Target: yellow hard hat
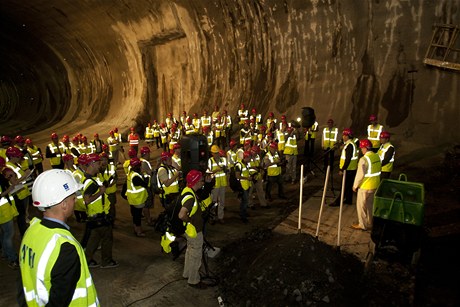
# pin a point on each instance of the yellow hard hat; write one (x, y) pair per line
(215, 149)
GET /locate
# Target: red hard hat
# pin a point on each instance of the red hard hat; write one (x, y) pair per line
(165, 155)
(174, 125)
(189, 119)
(135, 162)
(242, 106)
(247, 142)
(232, 143)
(254, 110)
(54, 135)
(104, 155)
(283, 116)
(75, 139)
(365, 143)
(255, 149)
(5, 140)
(385, 135)
(273, 145)
(372, 117)
(193, 177)
(96, 135)
(271, 114)
(92, 157)
(84, 138)
(19, 139)
(176, 146)
(347, 132)
(246, 154)
(111, 132)
(145, 150)
(115, 129)
(263, 128)
(82, 159)
(67, 157)
(162, 125)
(65, 138)
(132, 128)
(222, 153)
(28, 141)
(14, 152)
(105, 147)
(132, 153)
(169, 114)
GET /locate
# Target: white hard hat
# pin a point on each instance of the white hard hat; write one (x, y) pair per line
(52, 187)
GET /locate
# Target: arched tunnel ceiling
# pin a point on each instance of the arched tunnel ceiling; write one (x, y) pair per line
(87, 66)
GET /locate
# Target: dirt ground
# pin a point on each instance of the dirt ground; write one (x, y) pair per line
(265, 269)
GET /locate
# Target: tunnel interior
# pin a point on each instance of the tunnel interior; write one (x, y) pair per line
(87, 67)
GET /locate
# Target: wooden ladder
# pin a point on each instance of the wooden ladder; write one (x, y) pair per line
(443, 51)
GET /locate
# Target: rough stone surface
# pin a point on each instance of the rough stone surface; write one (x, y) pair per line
(96, 65)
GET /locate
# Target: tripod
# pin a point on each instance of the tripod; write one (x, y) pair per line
(209, 251)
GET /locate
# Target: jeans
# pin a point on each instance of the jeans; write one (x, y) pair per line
(6, 241)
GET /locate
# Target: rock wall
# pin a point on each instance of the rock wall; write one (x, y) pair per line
(88, 66)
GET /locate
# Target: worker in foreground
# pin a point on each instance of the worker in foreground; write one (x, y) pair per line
(54, 271)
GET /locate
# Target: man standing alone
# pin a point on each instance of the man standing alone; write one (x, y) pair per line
(366, 182)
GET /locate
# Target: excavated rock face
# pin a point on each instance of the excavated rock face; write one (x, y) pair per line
(76, 66)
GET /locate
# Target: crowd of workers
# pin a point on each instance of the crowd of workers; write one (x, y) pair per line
(258, 153)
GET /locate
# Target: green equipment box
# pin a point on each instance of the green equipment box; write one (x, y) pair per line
(400, 201)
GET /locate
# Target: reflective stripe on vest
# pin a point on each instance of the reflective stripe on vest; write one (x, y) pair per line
(25, 191)
(187, 197)
(39, 250)
(372, 177)
(373, 134)
(135, 195)
(174, 187)
(55, 150)
(221, 177)
(7, 211)
(99, 205)
(273, 170)
(291, 146)
(354, 159)
(382, 152)
(329, 137)
(35, 153)
(245, 184)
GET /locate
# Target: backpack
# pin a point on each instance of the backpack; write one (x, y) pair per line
(169, 219)
(235, 184)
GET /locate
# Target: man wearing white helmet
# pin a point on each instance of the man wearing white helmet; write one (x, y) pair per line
(53, 264)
